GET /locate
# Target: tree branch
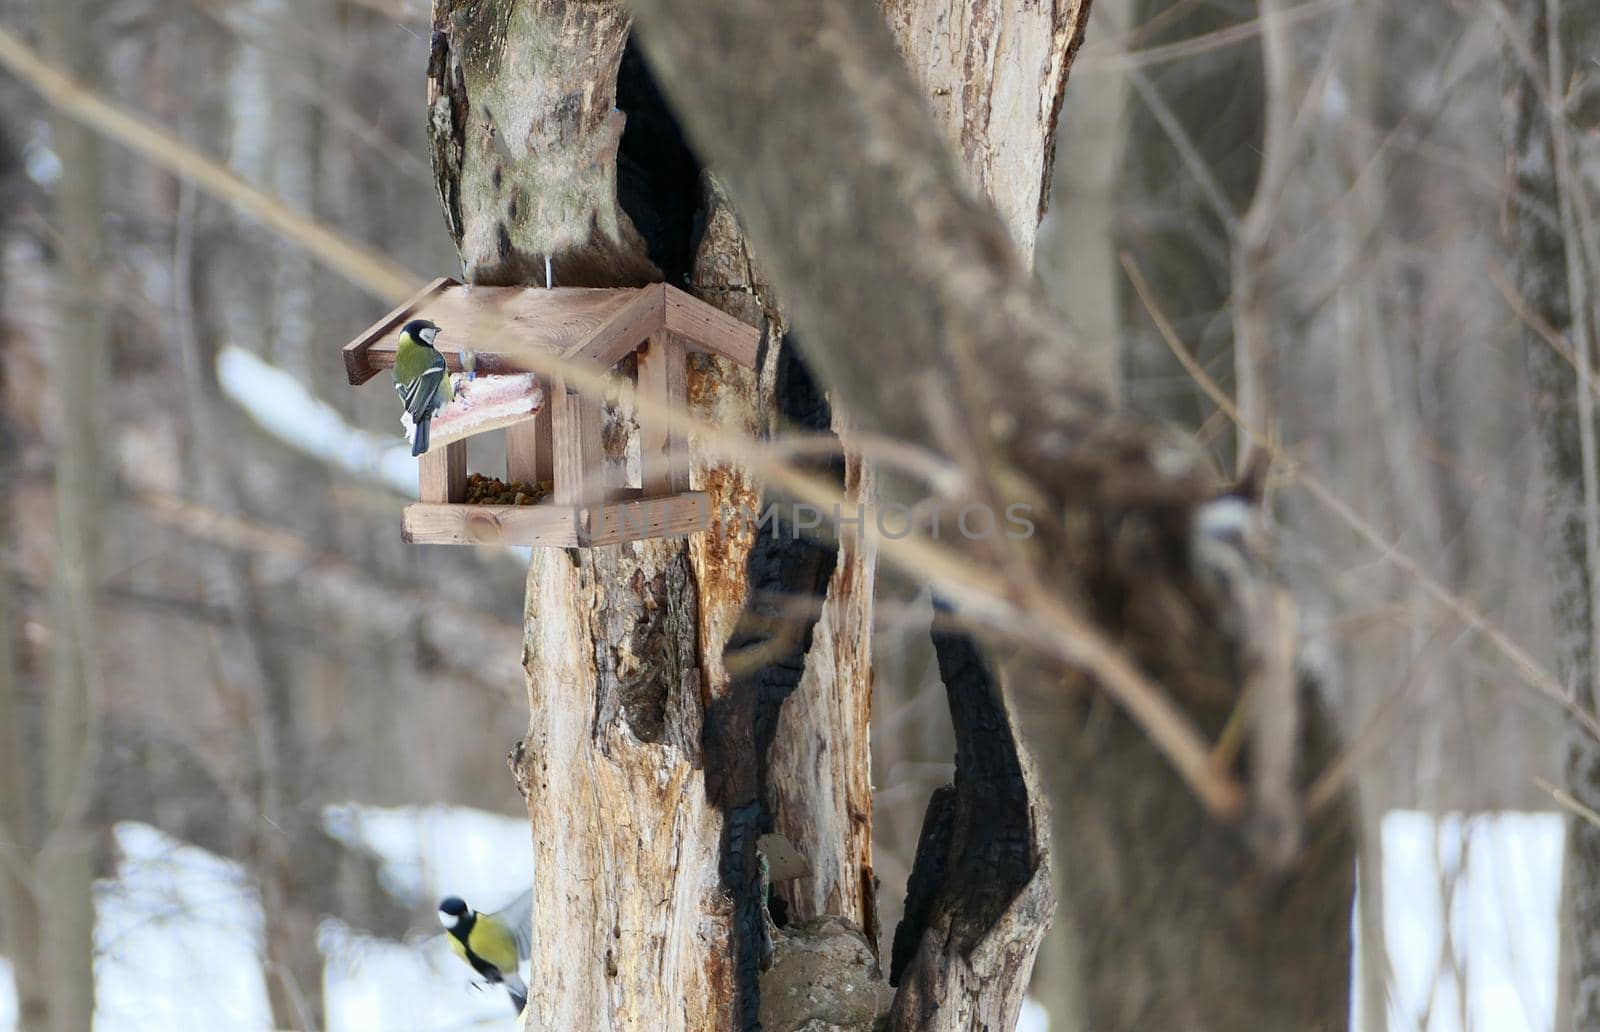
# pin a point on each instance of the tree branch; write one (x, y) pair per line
(366, 269)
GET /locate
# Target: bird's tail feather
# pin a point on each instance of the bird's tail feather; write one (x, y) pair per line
(419, 442)
(518, 990)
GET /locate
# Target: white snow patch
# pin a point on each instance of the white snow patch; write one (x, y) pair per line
(375, 983)
(1033, 1017)
(284, 408)
(8, 996)
(1493, 881)
(178, 937)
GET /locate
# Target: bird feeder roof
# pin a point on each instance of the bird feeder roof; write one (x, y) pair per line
(593, 325)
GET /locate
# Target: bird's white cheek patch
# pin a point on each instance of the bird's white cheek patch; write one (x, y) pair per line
(447, 919)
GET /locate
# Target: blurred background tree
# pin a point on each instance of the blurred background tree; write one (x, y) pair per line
(264, 646)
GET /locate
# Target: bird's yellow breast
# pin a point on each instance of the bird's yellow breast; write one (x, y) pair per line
(492, 941)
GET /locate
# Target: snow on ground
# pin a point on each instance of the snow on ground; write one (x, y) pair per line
(1498, 877)
(179, 930)
(178, 938)
(8, 996)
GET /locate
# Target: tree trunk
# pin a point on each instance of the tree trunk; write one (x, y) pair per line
(1551, 219)
(19, 886)
(646, 766)
(843, 184)
(19, 798)
(1077, 264)
(652, 762)
(66, 860)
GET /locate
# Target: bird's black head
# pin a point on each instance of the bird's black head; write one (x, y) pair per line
(452, 911)
(421, 330)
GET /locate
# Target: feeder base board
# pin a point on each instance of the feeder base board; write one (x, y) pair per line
(557, 526)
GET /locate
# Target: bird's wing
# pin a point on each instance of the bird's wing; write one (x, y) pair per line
(517, 917)
(494, 942)
(423, 394)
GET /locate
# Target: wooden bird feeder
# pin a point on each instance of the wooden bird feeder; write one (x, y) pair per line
(553, 435)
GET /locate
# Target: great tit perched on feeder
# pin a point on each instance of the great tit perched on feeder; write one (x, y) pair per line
(421, 379)
(494, 944)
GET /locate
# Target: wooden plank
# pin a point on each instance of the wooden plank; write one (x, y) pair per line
(624, 331)
(357, 366)
(528, 454)
(663, 455)
(710, 329)
(595, 325)
(576, 456)
(451, 434)
(557, 526)
(431, 524)
(480, 319)
(442, 470)
(673, 516)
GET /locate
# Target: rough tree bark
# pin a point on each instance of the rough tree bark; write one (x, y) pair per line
(644, 769)
(1550, 214)
(652, 764)
(1194, 920)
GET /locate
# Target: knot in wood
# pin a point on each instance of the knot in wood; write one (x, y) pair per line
(484, 528)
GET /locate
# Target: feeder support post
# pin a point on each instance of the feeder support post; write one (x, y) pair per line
(529, 447)
(577, 461)
(442, 472)
(663, 377)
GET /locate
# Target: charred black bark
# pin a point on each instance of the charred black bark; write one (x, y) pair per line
(976, 850)
(923, 887)
(788, 575)
(658, 174)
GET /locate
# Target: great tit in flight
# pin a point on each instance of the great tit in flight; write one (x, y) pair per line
(420, 378)
(494, 944)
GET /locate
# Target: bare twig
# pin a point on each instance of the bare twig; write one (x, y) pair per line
(1568, 802)
(1190, 154)
(1528, 668)
(1332, 781)
(1546, 332)
(1252, 346)
(1204, 43)
(366, 269)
